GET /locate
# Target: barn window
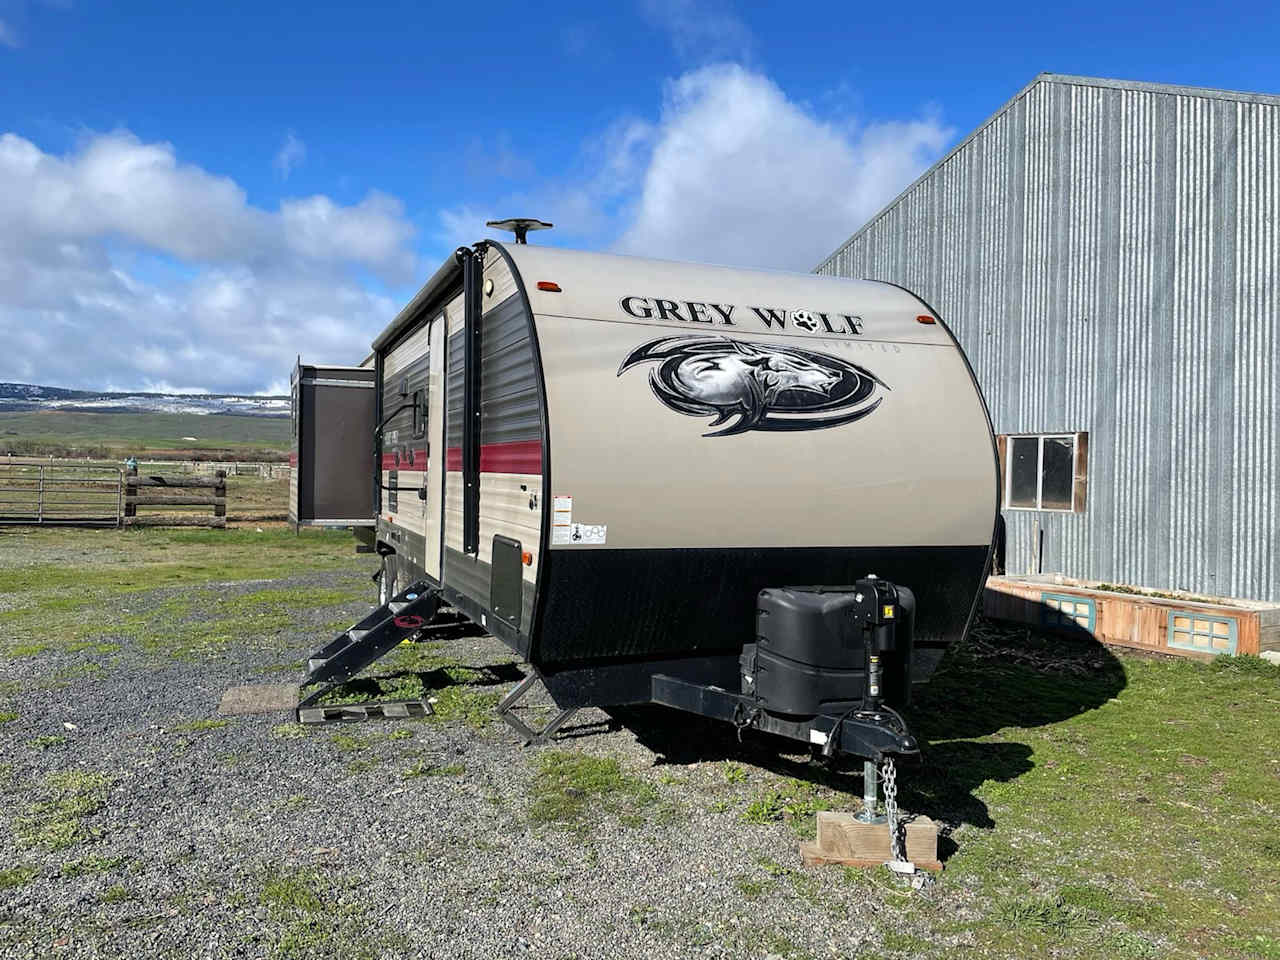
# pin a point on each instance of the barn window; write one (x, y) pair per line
(1044, 471)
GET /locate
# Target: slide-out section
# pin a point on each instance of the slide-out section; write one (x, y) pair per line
(331, 452)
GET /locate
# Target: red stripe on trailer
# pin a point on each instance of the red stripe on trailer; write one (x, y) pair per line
(517, 456)
(293, 459)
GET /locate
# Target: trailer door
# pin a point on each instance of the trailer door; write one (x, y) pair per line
(433, 423)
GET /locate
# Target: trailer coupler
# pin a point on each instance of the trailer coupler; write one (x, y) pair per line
(869, 734)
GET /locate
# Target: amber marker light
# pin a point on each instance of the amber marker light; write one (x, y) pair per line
(527, 557)
(923, 318)
(549, 286)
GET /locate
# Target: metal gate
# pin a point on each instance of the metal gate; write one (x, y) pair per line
(48, 494)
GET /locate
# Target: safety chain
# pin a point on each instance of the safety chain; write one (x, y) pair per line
(889, 781)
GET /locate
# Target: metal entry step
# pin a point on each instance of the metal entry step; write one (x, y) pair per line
(351, 712)
(406, 614)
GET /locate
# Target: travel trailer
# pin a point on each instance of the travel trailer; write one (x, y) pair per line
(759, 496)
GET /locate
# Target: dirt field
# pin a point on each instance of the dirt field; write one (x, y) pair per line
(1095, 806)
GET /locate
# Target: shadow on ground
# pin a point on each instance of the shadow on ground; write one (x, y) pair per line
(1004, 678)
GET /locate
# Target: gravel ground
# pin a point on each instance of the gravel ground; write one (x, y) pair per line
(254, 837)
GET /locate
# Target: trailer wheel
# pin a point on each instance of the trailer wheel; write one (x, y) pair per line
(387, 582)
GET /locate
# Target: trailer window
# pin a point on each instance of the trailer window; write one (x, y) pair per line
(1044, 471)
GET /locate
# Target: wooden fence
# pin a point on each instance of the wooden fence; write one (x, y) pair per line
(152, 492)
(234, 468)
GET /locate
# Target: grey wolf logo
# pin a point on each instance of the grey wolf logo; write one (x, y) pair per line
(804, 319)
(767, 387)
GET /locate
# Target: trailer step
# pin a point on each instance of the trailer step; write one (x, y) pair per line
(355, 712)
(408, 613)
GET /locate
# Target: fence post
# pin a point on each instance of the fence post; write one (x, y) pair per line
(40, 498)
(130, 493)
(220, 499)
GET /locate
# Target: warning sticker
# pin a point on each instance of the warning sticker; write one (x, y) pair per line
(587, 533)
(561, 519)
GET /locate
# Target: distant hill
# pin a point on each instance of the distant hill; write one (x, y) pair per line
(150, 435)
(16, 397)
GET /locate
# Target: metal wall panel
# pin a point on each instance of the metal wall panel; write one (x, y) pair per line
(1108, 255)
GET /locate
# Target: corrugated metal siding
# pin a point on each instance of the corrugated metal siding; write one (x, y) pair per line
(1109, 259)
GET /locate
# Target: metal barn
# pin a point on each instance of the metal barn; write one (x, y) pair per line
(1108, 255)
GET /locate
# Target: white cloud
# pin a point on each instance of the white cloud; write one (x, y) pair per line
(741, 174)
(290, 155)
(119, 265)
(734, 171)
(701, 30)
(8, 36)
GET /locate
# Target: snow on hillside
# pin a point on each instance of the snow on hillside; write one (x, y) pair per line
(26, 396)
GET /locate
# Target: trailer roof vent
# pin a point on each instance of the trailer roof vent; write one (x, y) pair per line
(520, 226)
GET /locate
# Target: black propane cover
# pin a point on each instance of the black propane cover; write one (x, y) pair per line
(810, 654)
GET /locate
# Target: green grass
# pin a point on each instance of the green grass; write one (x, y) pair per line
(78, 604)
(314, 915)
(1105, 806)
(57, 822)
(12, 877)
(421, 768)
(117, 893)
(570, 788)
(200, 725)
(794, 801)
(66, 432)
(88, 866)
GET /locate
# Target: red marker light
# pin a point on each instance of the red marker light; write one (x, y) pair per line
(925, 318)
(548, 286)
(527, 557)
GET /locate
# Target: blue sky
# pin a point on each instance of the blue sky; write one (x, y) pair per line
(198, 192)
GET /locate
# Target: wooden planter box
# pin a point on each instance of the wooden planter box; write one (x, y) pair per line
(1200, 628)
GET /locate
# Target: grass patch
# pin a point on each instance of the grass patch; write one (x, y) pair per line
(197, 726)
(423, 769)
(310, 918)
(293, 892)
(752, 888)
(7, 716)
(117, 893)
(1051, 915)
(88, 866)
(569, 787)
(58, 821)
(47, 741)
(796, 802)
(16, 877)
(83, 600)
(464, 705)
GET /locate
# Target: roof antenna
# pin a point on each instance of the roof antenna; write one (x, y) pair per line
(520, 226)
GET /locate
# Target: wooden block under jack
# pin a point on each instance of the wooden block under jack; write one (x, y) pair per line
(845, 840)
